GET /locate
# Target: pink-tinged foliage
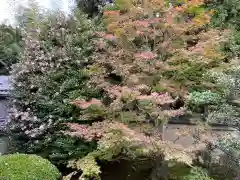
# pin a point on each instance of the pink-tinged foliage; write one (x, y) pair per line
(89, 133)
(130, 75)
(83, 104)
(146, 23)
(115, 137)
(155, 20)
(147, 55)
(175, 113)
(143, 23)
(139, 33)
(111, 13)
(96, 130)
(119, 91)
(163, 98)
(110, 37)
(158, 98)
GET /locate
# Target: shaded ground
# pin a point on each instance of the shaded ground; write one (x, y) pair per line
(127, 171)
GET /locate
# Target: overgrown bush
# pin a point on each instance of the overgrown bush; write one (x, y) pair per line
(134, 55)
(24, 166)
(81, 94)
(227, 114)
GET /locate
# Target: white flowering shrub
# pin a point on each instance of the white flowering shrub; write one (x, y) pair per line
(204, 98)
(231, 148)
(45, 81)
(228, 81)
(224, 114)
(228, 114)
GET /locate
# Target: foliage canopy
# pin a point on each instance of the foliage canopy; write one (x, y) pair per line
(84, 93)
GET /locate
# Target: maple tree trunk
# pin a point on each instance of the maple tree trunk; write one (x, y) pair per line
(160, 131)
(160, 169)
(163, 127)
(205, 111)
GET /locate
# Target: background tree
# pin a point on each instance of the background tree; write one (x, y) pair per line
(91, 7)
(226, 13)
(10, 47)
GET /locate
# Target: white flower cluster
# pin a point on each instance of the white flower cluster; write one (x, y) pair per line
(229, 81)
(231, 147)
(29, 124)
(226, 114)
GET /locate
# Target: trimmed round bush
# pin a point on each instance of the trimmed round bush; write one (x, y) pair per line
(27, 167)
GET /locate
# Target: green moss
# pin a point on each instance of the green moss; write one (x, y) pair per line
(27, 167)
